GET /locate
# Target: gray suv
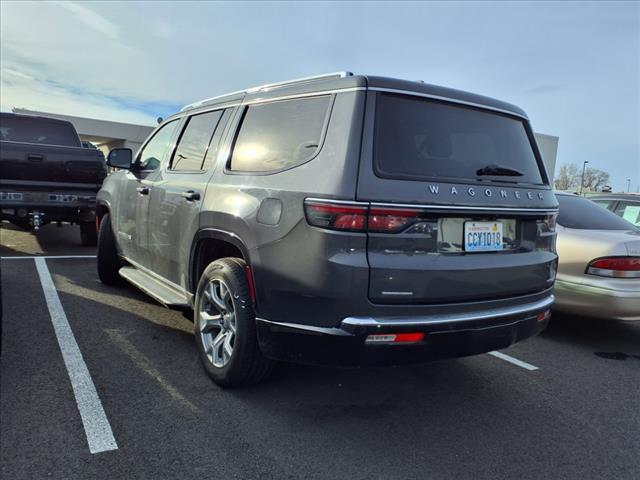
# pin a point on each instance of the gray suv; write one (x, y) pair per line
(337, 220)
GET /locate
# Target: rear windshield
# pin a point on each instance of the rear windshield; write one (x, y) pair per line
(420, 138)
(580, 213)
(34, 130)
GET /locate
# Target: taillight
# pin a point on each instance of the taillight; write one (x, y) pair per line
(355, 217)
(347, 217)
(615, 267)
(548, 224)
(391, 220)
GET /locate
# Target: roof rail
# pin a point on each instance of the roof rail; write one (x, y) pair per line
(269, 86)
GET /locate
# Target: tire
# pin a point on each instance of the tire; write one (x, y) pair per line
(108, 261)
(88, 234)
(224, 317)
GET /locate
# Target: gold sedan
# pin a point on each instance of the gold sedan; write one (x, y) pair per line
(599, 261)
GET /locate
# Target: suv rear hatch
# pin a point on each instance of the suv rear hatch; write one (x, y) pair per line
(459, 203)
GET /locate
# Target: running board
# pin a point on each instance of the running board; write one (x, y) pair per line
(164, 294)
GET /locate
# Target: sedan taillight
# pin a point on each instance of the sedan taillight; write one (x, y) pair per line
(615, 267)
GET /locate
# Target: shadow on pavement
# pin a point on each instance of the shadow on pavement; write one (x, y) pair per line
(49, 240)
(611, 339)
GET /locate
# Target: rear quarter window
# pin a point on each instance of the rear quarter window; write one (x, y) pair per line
(417, 138)
(280, 135)
(36, 130)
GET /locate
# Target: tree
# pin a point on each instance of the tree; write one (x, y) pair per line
(568, 177)
(595, 179)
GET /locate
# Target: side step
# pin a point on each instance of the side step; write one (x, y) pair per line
(167, 296)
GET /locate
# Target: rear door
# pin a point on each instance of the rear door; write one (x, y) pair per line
(177, 193)
(459, 203)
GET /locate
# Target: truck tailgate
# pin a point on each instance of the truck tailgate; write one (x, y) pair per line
(47, 165)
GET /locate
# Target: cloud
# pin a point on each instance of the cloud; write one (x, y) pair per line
(15, 73)
(47, 97)
(91, 19)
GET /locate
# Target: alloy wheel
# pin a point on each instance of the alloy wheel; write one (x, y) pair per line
(217, 322)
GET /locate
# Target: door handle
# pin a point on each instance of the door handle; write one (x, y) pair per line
(190, 195)
(143, 190)
(33, 157)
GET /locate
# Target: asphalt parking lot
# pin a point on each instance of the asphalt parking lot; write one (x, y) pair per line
(563, 405)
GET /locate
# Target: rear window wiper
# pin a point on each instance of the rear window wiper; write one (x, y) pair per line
(499, 170)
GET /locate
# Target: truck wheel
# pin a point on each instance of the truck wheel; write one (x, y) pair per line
(225, 326)
(88, 234)
(108, 261)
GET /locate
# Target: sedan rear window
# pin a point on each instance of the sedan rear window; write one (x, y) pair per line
(419, 138)
(582, 214)
(35, 130)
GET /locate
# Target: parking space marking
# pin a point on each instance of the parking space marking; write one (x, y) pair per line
(96, 426)
(51, 257)
(514, 361)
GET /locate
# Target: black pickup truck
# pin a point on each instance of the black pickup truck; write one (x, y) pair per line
(46, 175)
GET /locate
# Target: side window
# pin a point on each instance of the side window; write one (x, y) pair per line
(603, 203)
(194, 141)
(629, 211)
(214, 146)
(152, 154)
(279, 135)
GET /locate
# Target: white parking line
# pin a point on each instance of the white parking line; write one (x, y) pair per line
(50, 257)
(514, 361)
(96, 426)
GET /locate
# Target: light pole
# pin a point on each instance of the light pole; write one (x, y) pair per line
(628, 184)
(584, 165)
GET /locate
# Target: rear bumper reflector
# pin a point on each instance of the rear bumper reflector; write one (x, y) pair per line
(395, 338)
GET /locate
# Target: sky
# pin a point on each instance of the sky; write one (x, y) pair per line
(574, 67)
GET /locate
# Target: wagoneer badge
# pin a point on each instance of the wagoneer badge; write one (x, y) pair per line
(489, 192)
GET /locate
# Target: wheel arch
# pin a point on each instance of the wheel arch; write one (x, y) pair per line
(209, 245)
(102, 208)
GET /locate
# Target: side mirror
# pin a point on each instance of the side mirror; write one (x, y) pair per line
(120, 158)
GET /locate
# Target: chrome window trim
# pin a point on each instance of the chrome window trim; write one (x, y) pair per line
(292, 96)
(448, 99)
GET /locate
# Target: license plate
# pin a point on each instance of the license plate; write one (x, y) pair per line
(482, 236)
(15, 196)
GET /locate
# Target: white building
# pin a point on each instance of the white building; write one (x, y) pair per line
(107, 135)
(102, 133)
(548, 145)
